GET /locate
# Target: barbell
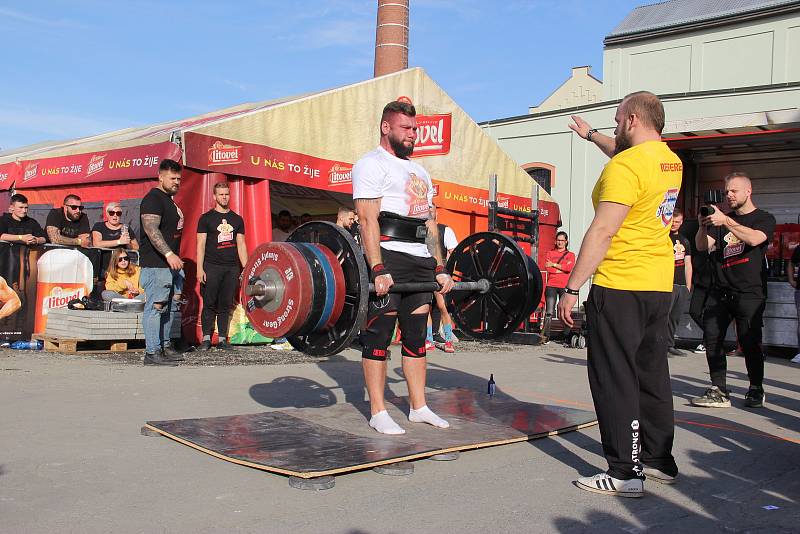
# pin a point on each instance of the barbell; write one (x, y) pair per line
(314, 289)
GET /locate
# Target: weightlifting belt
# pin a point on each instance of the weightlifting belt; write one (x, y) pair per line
(396, 227)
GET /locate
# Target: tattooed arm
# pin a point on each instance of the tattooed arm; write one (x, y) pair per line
(432, 238)
(435, 248)
(55, 237)
(150, 222)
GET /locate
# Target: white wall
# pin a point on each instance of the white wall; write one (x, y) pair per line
(761, 52)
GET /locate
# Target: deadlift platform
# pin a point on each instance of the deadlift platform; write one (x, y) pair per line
(309, 443)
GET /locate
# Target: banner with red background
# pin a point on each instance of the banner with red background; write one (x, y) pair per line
(92, 167)
(9, 172)
(258, 161)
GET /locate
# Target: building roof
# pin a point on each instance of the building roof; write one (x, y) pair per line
(673, 15)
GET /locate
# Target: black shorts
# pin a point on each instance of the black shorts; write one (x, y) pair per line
(404, 268)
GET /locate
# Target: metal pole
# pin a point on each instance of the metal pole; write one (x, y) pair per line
(535, 223)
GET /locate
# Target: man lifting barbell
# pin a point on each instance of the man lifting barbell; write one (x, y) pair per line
(394, 201)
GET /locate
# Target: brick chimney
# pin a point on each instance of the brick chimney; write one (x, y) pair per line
(391, 37)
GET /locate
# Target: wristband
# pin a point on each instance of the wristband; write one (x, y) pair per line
(440, 270)
(19, 237)
(591, 132)
(168, 254)
(569, 291)
(377, 270)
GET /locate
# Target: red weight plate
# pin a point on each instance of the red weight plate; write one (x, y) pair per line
(339, 289)
(282, 265)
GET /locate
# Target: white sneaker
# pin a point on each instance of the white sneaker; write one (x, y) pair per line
(607, 485)
(659, 476)
(282, 346)
(701, 349)
(796, 359)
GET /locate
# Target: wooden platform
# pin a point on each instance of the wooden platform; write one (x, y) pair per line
(315, 442)
(76, 346)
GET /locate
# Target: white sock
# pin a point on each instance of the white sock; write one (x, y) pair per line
(383, 423)
(425, 415)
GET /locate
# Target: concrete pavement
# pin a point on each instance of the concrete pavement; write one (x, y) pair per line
(72, 458)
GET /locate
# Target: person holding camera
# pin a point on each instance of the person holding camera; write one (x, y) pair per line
(736, 243)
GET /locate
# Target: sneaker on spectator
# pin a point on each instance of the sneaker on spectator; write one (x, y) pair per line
(205, 345)
(713, 398)
(605, 484)
(700, 349)
(796, 359)
(430, 346)
(282, 346)
(447, 346)
(224, 345)
(438, 338)
(755, 397)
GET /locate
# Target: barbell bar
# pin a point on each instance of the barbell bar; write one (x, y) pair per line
(267, 290)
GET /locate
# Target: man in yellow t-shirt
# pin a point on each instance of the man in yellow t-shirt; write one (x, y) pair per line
(627, 248)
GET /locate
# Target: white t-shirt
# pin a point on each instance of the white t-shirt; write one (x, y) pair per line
(279, 235)
(450, 241)
(403, 186)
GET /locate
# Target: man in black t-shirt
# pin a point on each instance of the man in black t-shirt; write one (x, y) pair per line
(68, 225)
(221, 250)
(162, 267)
(682, 281)
(17, 227)
(736, 243)
(792, 274)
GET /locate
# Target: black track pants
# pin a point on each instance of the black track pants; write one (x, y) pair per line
(629, 379)
(680, 297)
(717, 316)
(218, 293)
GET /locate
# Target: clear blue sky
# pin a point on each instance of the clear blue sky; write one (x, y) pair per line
(80, 67)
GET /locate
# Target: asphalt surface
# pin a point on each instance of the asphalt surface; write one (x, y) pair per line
(72, 458)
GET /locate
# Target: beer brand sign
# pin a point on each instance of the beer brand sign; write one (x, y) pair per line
(340, 174)
(221, 154)
(96, 164)
(433, 135)
(259, 161)
(30, 171)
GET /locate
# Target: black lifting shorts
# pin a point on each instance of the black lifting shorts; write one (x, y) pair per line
(404, 268)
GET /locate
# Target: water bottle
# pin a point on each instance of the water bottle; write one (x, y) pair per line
(33, 344)
(491, 387)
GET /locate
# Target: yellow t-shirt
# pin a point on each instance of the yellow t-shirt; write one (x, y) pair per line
(646, 177)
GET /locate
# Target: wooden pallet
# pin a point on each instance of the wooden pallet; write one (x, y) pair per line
(77, 346)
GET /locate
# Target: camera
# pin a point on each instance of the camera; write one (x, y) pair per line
(710, 197)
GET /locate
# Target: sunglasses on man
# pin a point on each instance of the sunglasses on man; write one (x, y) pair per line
(75, 207)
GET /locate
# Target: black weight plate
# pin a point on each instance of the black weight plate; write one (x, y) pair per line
(515, 280)
(537, 287)
(356, 280)
(318, 287)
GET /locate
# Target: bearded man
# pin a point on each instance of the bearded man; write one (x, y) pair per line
(394, 200)
(627, 249)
